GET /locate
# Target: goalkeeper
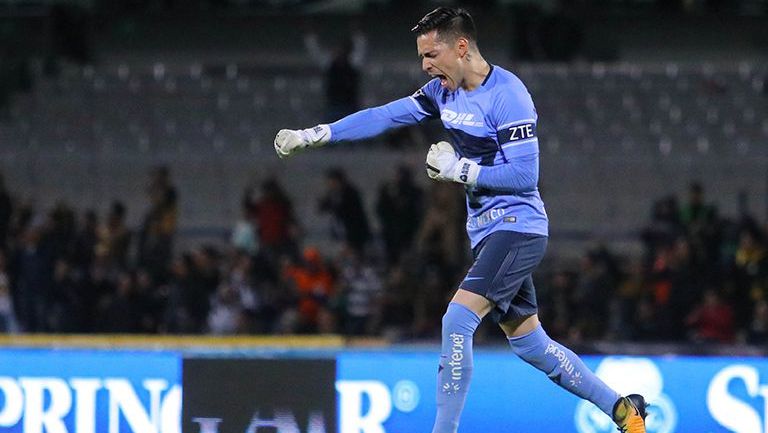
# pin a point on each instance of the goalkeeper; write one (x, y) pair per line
(494, 153)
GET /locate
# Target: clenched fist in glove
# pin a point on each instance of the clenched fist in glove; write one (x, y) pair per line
(444, 165)
(291, 141)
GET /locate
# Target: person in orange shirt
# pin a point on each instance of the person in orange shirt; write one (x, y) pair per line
(314, 285)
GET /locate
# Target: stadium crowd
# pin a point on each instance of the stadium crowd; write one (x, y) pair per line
(702, 277)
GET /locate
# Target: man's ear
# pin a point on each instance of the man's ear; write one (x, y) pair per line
(462, 46)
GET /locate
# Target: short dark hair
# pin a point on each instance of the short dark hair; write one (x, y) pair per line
(449, 22)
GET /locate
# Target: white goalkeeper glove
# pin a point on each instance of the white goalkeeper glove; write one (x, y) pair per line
(291, 141)
(444, 165)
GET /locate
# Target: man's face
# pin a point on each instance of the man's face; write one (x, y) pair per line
(442, 59)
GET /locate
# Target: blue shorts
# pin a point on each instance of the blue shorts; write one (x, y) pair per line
(504, 262)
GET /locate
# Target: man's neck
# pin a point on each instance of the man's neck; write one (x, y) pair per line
(477, 71)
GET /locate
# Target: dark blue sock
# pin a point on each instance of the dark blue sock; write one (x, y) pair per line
(455, 371)
(564, 368)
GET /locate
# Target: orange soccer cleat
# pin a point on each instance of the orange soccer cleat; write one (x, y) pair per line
(629, 414)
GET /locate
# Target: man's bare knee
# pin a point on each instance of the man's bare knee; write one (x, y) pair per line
(521, 326)
(477, 303)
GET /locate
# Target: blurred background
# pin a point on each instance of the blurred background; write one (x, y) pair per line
(141, 193)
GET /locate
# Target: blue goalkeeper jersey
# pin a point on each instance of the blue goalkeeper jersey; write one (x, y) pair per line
(493, 125)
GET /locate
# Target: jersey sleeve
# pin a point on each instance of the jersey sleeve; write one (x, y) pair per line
(425, 99)
(514, 118)
(517, 176)
(373, 121)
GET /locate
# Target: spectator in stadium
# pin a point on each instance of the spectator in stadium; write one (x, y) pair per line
(205, 276)
(597, 280)
(312, 285)
(226, 315)
(506, 219)
(66, 313)
(193, 281)
(85, 242)
(342, 201)
(115, 237)
(701, 222)
(31, 276)
(399, 207)
(244, 236)
(664, 228)
(122, 311)
(676, 286)
(178, 315)
(157, 232)
(712, 320)
(341, 67)
(98, 285)
(236, 301)
(273, 215)
(152, 301)
(630, 290)
(359, 296)
(24, 215)
(751, 257)
(61, 230)
(750, 275)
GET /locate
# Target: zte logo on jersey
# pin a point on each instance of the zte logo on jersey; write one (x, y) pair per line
(521, 132)
(454, 118)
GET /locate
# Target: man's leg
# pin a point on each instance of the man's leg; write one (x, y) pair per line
(560, 364)
(454, 374)
(565, 368)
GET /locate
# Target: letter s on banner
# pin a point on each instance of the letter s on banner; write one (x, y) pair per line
(726, 409)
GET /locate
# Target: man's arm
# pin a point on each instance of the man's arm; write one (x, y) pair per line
(373, 121)
(519, 175)
(519, 146)
(363, 124)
